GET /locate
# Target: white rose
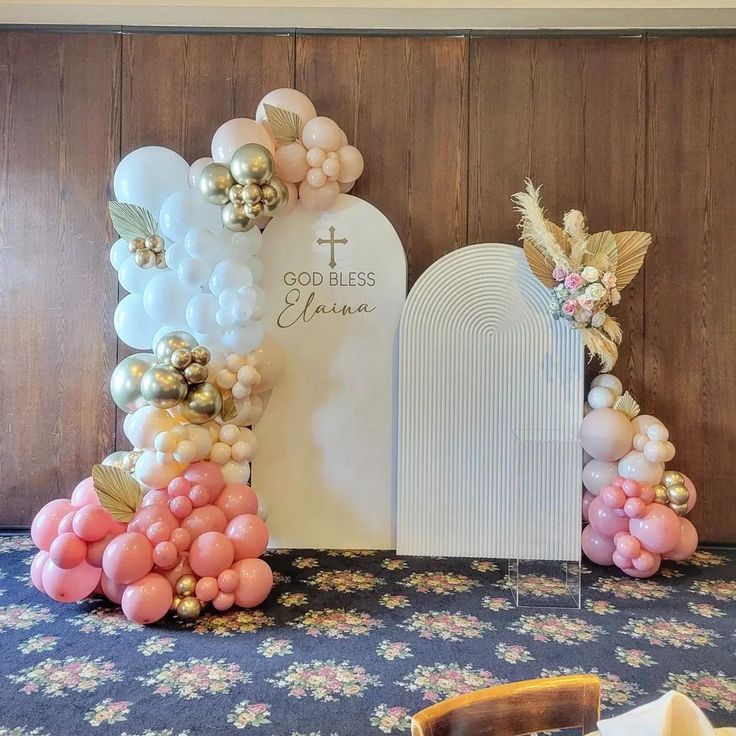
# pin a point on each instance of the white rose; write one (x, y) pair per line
(609, 280)
(598, 319)
(596, 291)
(590, 274)
(582, 316)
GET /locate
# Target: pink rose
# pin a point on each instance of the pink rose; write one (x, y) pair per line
(559, 273)
(569, 306)
(573, 281)
(609, 280)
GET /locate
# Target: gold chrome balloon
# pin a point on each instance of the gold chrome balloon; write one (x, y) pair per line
(136, 244)
(660, 493)
(678, 494)
(251, 193)
(189, 609)
(202, 403)
(115, 459)
(236, 194)
(679, 508)
(251, 164)
(144, 258)
(214, 183)
(172, 341)
(163, 387)
(196, 373)
(253, 210)
(234, 218)
(175, 601)
(161, 260)
(672, 478)
(155, 243)
(275, 196)
(125, 382)
(201, 355)
(181, 358)
(185, 585)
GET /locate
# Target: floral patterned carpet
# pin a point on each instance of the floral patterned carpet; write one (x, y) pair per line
(353, 643)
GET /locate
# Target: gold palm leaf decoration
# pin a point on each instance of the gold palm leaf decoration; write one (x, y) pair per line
(602, 251)
(120, 494)
(632, 247)
(131, 221)
(542, 267)
(627, 405)
(286, 126)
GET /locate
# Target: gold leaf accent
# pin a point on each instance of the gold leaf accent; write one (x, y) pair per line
(131, 221)
(120, 494)
(539, 265)
(602, 251)
(632, 247)
(286, 126)
(627, 405)
(229, 409)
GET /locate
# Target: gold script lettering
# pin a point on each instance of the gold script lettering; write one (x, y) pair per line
(294, 311)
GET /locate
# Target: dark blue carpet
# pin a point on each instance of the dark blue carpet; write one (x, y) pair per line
(353, 643)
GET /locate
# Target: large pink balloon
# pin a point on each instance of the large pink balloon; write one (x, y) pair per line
(598, 548)
(148, 599)
(127, 558)
(92, 523)
(321, 132)
(249, 536)
(318, 199)
(210, 554)
(148, 515)
(256, 581)
(287, 99)
(155, 496)
(113, 591)
(85, 494)
(597, 474)
(587, 500)
(37, 569)
(688, 542)
(606, 434)
(45, 525)
(69, 585)
(606, 521)
(237, 499)
(207, 474)
(204, 519)
(236, 133)
(658, 530)
(692, 499)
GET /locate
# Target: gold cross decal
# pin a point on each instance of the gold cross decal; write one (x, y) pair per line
(332, 242)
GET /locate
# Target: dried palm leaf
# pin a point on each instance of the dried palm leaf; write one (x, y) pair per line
(131, 221)
(632, 247)
(229, 409)
(602, 251)
(119, 493)
(539, 265)
(627, 405)
(577, 231)
(286, 125)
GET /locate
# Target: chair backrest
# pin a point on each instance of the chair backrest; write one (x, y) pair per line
(515, 709)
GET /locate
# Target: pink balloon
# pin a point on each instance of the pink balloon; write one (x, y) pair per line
(635, 508)
(182, 568)
(606, 434)
(631, 488)
(199, 495)
(181, 539)
(70, 585)
(318, 200)
(159, 531)
(692, 499)
(256, 581)
(647, 494)
(148, 599)
(237, 499)
(634, 573)
(227, 581)
(645, 561)
(211, 553)
(321, 132)
(204, 519)
(621, 560)
(113, 591)
(146, 516)
(587, 500)
(95, 550)
(179, 486)
(291, 162)
(92, 523)
(658, 530)
(351, 164)
(127, 558)
(206, 589)
(236, 133)
(37, 569)
(207, 474)
(688, 542)
(249, 536)
(156, 496)
(597, 547)
(628, 545)
(181, 506)
(45, 525)
(67, 523)
(597, 474)
(165, 555)
(223, 601)
(606, 521)
(85, 494)
(287, 99)
(67, 550)
(613, 497)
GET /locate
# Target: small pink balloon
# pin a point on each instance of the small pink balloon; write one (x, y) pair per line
(113, 591)
(606, 434)
(318, 200)
(178, 487)
(606, 521)
(287, 99)
(316, 178)
(67, 523)
(159, 531)
(37, 569)
(207, 474)
(631, 488)
(597, 547)
(148, 599)
(291, 162)
(69, 585)
(182, 568)
(321, 132)
(45, 525)
(634, 573)
(658, 530)
(692, 499)
(688, 542)
(587, 500)
(196, 169)
(237, 499)
(146, 516)
(204, 519)
(647, 494)
(249, 536)
(236, 133)
(165, 555)
(227, 581)
(85, 494)
(628, 545)
(206, 589)
(223, 601)
(211, 553)
(613, 497)
(256, 581)
(92, 523)
(181, 539)
(645, 561)
(635, 508)
(181, 506)
(351, 163)
(95, 550)
(67, 550)
(127, 558)
(155, 497)
(199, 495)
(621, 560)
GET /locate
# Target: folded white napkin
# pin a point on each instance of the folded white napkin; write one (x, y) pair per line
(674, 714)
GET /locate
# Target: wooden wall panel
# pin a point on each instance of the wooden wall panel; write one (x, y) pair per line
(403, 101)
(690, 343)
(570, 114)
(59, 143)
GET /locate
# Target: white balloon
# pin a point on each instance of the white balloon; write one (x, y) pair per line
(635, 466)
(175, 254)
(600, 397)
(229, 275)
(597, 474)
(118, 253)
(656, 451)
(165, 298)
(658, 433)
(194, 272)
(148, 175)
(201, 243)
(165, 329)
(200, 313)
(185, 210)
(145, 423)
(247, 243)
(262, 508)
(243, 339)
(157, 473)
(234, 472)
(258, 302)
(606, 380)
(256, 268)
(134, 278)
(132, 324)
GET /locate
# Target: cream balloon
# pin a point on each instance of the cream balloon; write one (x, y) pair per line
(597, 474)
(287, 99)
(125, 382)
(635, 466)
(268, 360)
(154, 472)
(606, 380)
(642, 423)
(600, 397)
(142, 426)
(234, 472)
(236, 133)
(606, 434)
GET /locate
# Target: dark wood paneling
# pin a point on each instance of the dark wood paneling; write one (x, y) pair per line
(569, 113)
(691, 301)
(59, 143)
(403, 102)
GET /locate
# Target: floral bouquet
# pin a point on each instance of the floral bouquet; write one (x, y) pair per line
(585, 272)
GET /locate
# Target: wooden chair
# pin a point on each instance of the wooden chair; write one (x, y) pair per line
(515, 709)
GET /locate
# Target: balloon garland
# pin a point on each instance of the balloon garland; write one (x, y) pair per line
(172, 525)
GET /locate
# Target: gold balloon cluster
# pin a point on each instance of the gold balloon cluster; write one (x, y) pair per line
(185, 604)
(673, 492)
(148, 252)
(246, 189)
(179, 379)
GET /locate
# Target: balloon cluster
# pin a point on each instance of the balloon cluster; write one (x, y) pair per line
(148, 252)
(633, 506)
(193, 543)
